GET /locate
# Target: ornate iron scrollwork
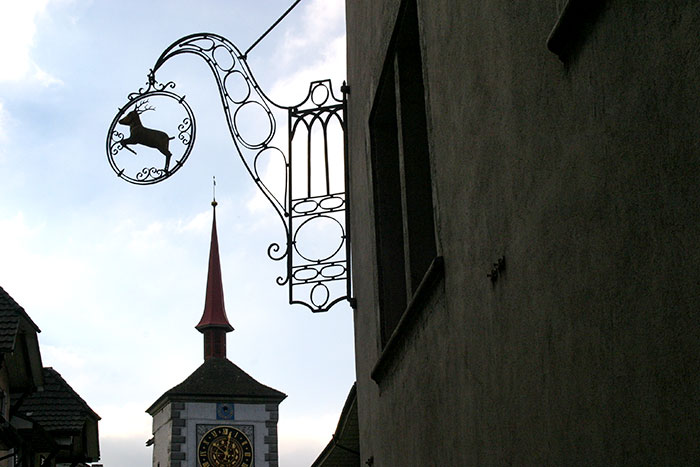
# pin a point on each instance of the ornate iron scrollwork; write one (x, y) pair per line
(311, 201)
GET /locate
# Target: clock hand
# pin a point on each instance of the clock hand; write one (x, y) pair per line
(228, 444)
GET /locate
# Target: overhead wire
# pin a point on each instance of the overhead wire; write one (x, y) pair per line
(245, 54)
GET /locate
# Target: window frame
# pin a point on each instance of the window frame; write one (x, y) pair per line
(408, 265)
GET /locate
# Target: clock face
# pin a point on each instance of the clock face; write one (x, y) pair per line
(225, 446)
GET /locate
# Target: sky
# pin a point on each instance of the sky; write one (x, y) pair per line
(114, 274)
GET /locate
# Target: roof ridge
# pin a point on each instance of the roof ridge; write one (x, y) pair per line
(67, 386)
(18, 308)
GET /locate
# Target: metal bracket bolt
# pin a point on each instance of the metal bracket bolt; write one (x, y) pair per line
(498, 268)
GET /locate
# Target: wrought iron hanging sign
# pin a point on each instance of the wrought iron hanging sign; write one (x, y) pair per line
(154, 164)
(153, 134)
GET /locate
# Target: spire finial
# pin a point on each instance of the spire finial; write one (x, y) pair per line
(213, 190)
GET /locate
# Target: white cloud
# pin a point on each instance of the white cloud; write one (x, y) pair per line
(321, 20)
(120, 450)
(17, 35)
(201, 223)
(164, 234)
(4, 117)
(24, 266)
(149, 238)
(62, 358)
(321, 37)
(125, 421)
(44, 78)
(302, 438)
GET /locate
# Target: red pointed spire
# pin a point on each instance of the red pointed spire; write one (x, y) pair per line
(214, 323)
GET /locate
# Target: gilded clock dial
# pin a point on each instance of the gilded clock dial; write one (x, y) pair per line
(225, 446)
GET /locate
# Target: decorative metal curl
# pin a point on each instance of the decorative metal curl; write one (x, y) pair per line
(185, 130)
(151, 85)
(116, 143)
(150, 175)
(241, 99)
(274, 248)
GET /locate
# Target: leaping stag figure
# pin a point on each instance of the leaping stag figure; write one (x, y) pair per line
(141, 135)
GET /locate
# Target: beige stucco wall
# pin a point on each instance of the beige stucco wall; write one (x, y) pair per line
(585, 176)
(162, 433)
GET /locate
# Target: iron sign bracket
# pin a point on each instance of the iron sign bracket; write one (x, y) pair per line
(312, 200)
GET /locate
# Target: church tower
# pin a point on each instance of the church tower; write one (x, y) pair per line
(219, 415)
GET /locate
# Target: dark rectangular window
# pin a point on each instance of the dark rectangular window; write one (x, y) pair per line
(403, 202)
(388, 207)
(576, 21)
(419, 229)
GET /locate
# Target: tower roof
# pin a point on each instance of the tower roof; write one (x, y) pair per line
(218, 379)
(214, 315)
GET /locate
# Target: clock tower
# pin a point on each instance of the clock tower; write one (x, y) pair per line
(219, 415)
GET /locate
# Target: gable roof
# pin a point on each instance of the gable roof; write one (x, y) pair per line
(19, 346)
(10, 314)
(343, 450)
(58, 408)
(219, 379)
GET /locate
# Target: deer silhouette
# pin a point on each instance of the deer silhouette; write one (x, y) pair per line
(141, 135)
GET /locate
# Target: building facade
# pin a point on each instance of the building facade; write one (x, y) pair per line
(62, 428)
(524, 179)
(43, 421)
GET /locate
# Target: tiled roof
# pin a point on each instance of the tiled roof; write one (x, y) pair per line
(343, 450)
(219, 378)
(9, 321)
(10, 314)
(58, 407)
